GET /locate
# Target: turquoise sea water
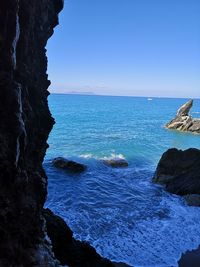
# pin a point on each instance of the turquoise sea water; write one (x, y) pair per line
(119, 211)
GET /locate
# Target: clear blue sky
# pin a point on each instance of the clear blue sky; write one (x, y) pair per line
(127, 47)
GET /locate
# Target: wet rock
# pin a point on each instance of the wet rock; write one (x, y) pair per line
(116, 163)
(190, 258)
(69, 165)
(68, 250)
(192, 200)
(184, 121)
(179, 171)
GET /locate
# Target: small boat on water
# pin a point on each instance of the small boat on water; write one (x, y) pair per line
(149, 99)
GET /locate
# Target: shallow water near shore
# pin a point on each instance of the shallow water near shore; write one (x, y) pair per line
(119, 211)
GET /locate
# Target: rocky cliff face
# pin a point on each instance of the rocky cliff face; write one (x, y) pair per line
(25, 122)
(184, 121)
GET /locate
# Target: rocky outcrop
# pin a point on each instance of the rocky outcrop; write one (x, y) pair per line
(185, 108)
(179, 171)
(184, 121)
(25, 120)
(69, 165)
(116, 163)
(68, 250)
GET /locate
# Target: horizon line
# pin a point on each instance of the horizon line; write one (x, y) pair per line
(93, 94)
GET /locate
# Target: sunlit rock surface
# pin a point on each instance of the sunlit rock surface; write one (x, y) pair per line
(184, 121)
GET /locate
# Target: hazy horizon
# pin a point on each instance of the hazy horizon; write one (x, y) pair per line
(137, 48)
(95, 94)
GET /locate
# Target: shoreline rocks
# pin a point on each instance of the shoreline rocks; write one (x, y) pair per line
(69, 165)
(184, 121)
(190, 258)
(68, 250)
(179, 171)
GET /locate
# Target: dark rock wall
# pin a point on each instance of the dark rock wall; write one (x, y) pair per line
(25, 123)
(68, 250)
(179, 171)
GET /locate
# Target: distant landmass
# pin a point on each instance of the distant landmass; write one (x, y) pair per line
(80, 93)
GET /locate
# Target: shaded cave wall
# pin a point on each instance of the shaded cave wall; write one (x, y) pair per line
(25, 123)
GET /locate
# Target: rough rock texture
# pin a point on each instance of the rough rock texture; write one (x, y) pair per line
(116, 163)
(67, 249)
(69, 165)
(184, 121)
(179, 171)
(185, 108)
(25, 120)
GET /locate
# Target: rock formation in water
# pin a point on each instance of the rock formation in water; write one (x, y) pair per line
(179, 171)
(25, 120)
(69, 165)
(190, 258)
(116, 163)
(184, 121)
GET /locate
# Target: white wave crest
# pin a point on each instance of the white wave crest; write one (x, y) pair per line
(114, 156)
(86, 156)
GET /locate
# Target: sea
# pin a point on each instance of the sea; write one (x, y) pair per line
(120, 212)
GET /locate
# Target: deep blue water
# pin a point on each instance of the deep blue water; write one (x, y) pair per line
(119, 211)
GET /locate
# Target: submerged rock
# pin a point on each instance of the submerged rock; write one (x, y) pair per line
(116, 163)
(68, 250)
(184, 121)
(179, 171)
(69, 165)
